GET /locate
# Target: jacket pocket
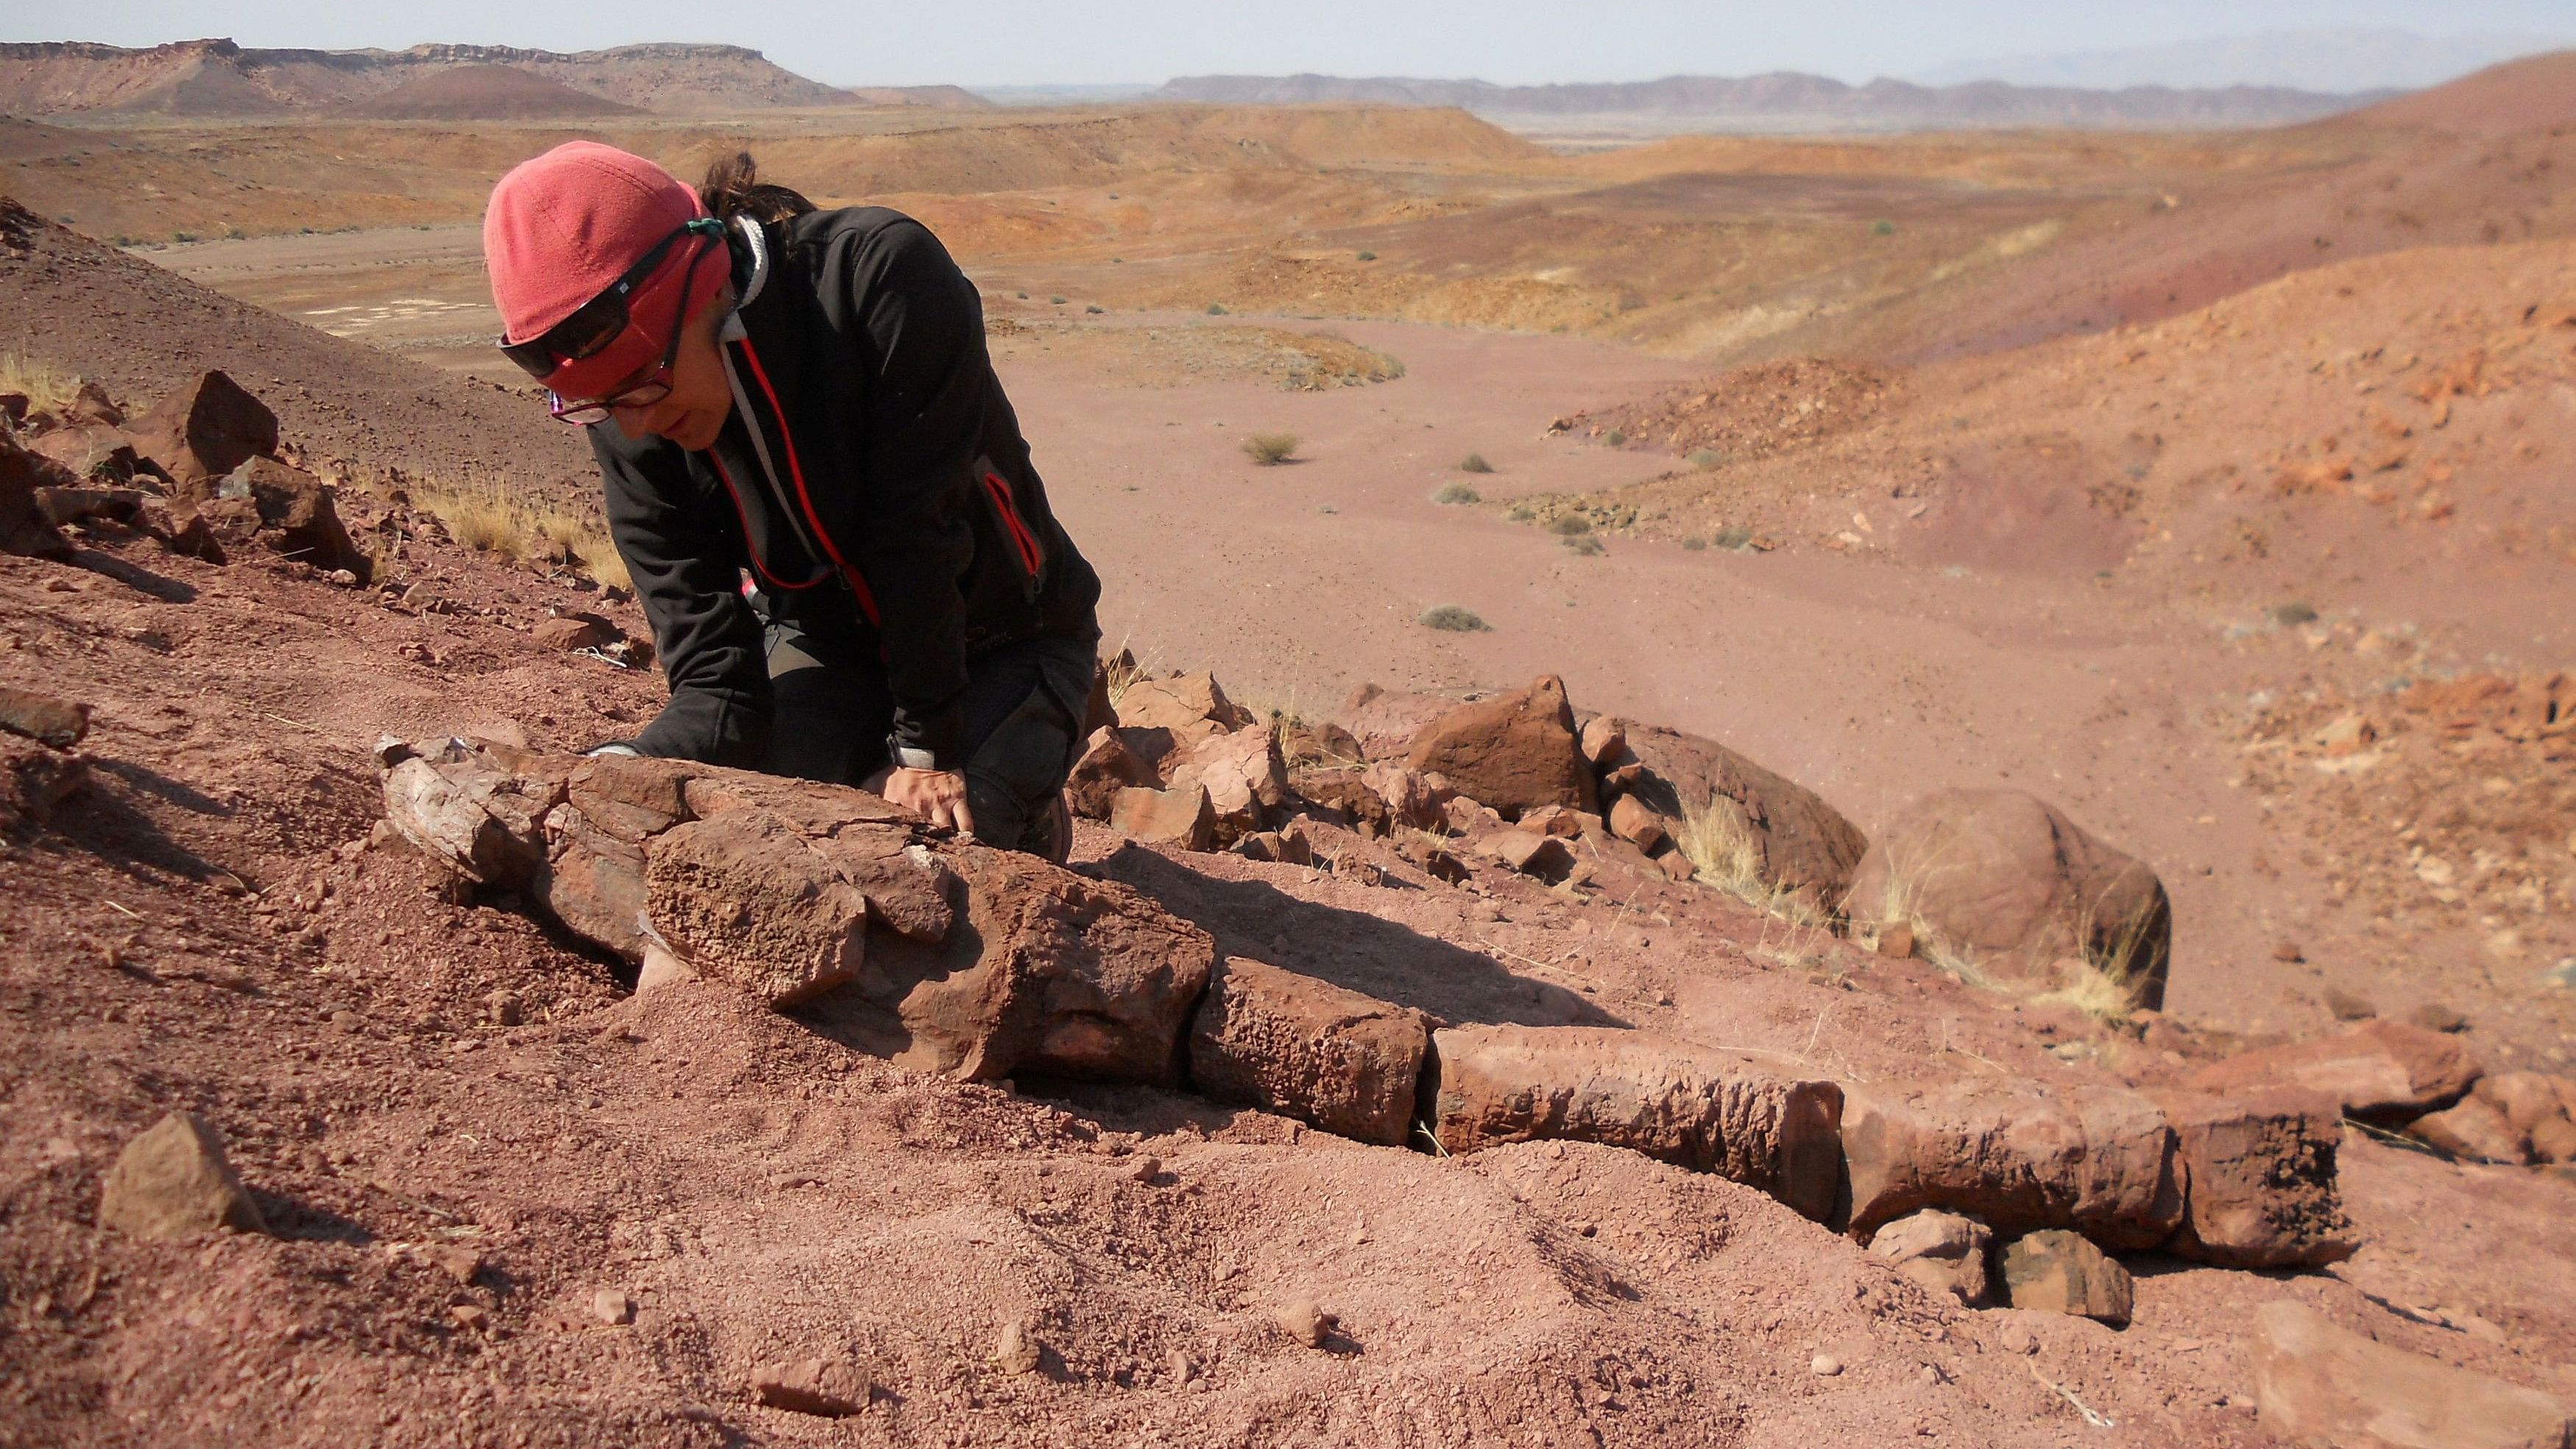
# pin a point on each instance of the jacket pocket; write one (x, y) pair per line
(1027, 555)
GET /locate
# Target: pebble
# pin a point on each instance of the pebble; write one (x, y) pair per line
(1016, 1349)
(2014, 1338)
(1303, 1321)
(1145, 1169)
(611, 1306)
(1824, 1365)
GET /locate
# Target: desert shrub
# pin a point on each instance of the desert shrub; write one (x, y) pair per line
(1094, 309)
(183, 236)
(1454, 620)
(1270, 449)
(1614, 437)
(1720, 844)
(2291, 615)
(1694, 544)
(1882, 228)
(1216, 309)
(489, 517)
(1475, 463)
(1457, 493)
(48, 388)
(1569, 525)
(1733, 536)
(1055, 301)
(1584, 545)
(1023, 296)
(1368, 256)
(1705, 458)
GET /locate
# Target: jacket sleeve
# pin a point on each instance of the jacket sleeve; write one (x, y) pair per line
(680, 544)
(920, 326)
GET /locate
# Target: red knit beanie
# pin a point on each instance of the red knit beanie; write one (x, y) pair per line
(563, 227)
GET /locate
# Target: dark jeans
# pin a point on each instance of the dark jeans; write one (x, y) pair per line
(1024, 709)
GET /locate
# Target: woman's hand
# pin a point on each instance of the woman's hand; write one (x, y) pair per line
(938, 796)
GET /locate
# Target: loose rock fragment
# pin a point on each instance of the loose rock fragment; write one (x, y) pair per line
(1945, 1252)
(206, 429)
(173, 1182)
(611, 1307)
(1303, 1321)
(2386, 1072)
(1633, 822)
(1107, 766)
(2317, 1383)
(43, 718)
(1543, 856)
(1182, 817)
(831, 1388)
(1514, 753)
(1825, 1366)
(2055, 1271)
(2016, 1156)
(2473, 1130)
(2262, 1181)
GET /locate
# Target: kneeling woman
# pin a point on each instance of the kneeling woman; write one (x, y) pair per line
(813, 474)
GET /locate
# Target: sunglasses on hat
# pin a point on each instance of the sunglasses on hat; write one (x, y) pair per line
(598, 322)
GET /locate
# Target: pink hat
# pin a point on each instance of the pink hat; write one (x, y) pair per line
(563, 227)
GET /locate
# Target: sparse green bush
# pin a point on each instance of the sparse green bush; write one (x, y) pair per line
(1455, 620)
(1882, 228)
(1705, 458)
(1569, 525)
(1457, 493)
(1270, 449)
(1094, 309)
(1055, 301)
(1614, 437)
(1733, 536)
(1368, 256)
(234, 233)
(1216, 309)
(1584, 545)
(2291, 615)
(1521, 512)
(183, 236)
(1475, 463)
(1694, 544)
(1024, 296)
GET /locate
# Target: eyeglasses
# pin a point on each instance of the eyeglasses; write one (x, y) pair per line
(590, 412)
(596, 323)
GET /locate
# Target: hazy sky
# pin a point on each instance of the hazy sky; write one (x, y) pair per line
(1037, 42)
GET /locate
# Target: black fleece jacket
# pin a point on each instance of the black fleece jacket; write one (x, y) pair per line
(872, 481)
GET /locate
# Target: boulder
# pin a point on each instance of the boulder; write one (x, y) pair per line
(1793, 840)
(2315, 1383)
(746, 900)
(1346, 1062)
(1182, 816)
(2262, 1181)
(1514, 753)
(56, 722)
(2386, 1073)
(2473, 1130)
(2014, 1155)
(1700, 1107)
(173, 1182)
(1385, 724)
(1243, 773)
(1944, 1252)
(24, 526)
(2055, 1271)
(1106, 767)
(2006, 879)
(34, 778)
(206, 430)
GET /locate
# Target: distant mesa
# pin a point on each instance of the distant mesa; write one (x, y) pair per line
(218, 79)
(486, 93)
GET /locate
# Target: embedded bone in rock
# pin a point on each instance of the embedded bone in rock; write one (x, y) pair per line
(466, 804)
(744, 899)
(2016, 1156)
(2262, 1178)
(1321, 1053)
(1045, 973)
(1700, 1107)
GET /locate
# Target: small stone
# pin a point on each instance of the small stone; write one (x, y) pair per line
(1676, 866)
(1824, 1366)
(173, 1182)
(612, 1307)
(1303, 1321)
(2016, 1338)
(2288, 952)
(468, 1315)
(506, 1010)
(2055, 1271)
(347, 1021)
(2434, 1016)
(1145, 1169)
(60, 723)
(1016, 1349)
(2344, 1006)
(459, 1263)
(1896, 940)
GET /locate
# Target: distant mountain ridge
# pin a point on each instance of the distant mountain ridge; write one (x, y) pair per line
(2334, 58)
(217, 78)
(1787, 98)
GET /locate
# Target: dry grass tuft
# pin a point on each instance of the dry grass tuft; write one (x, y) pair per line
(1720, 844)
(1475, 463)
(1455, 620)
(1457, 493)
(489, 518)
(48, 388)
(1270, 449)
